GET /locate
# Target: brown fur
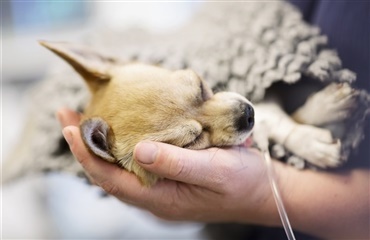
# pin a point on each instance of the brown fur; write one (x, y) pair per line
(143, 102)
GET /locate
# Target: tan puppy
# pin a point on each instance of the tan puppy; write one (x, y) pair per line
(134, 102)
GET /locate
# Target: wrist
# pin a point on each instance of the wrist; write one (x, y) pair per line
(270, 208)
(265, 210)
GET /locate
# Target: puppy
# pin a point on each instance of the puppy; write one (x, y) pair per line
(131, 102)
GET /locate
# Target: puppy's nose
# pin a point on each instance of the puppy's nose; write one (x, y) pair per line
(246, 121)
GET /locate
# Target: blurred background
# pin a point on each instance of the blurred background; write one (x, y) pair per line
(58, 205)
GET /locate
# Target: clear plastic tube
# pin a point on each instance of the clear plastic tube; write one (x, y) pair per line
(261, 139)
(278, 200)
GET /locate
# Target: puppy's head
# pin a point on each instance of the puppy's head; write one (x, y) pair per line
(132, 102)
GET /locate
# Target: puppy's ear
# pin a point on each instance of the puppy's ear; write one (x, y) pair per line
(90, 65)
(98, 137)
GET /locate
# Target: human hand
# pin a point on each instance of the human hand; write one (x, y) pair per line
(205, 185)
(218, 185)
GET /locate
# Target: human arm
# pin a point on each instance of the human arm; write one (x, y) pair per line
(219, 185)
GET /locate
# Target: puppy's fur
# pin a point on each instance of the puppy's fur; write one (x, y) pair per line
(132, 102)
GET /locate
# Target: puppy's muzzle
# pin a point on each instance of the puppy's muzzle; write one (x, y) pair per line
(246, 121)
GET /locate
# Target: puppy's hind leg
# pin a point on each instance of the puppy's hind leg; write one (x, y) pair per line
(329, 108)
(314, 144)
(332, 104)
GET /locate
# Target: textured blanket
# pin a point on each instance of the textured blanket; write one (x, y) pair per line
(243, 47)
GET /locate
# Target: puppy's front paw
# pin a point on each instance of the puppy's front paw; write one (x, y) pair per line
(315, 145)
(332, 104)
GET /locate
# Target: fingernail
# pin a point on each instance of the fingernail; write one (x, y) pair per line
(68, 136)
(146, 152)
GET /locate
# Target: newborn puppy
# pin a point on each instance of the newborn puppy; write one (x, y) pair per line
(131, 102)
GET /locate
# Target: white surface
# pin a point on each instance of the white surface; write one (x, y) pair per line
(81, 212)
(24, 212)
(150, 15)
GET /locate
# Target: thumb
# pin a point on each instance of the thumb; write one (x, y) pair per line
(184, 165)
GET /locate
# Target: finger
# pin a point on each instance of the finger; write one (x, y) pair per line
(184, 165)
(113, 179)
(68, 117)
